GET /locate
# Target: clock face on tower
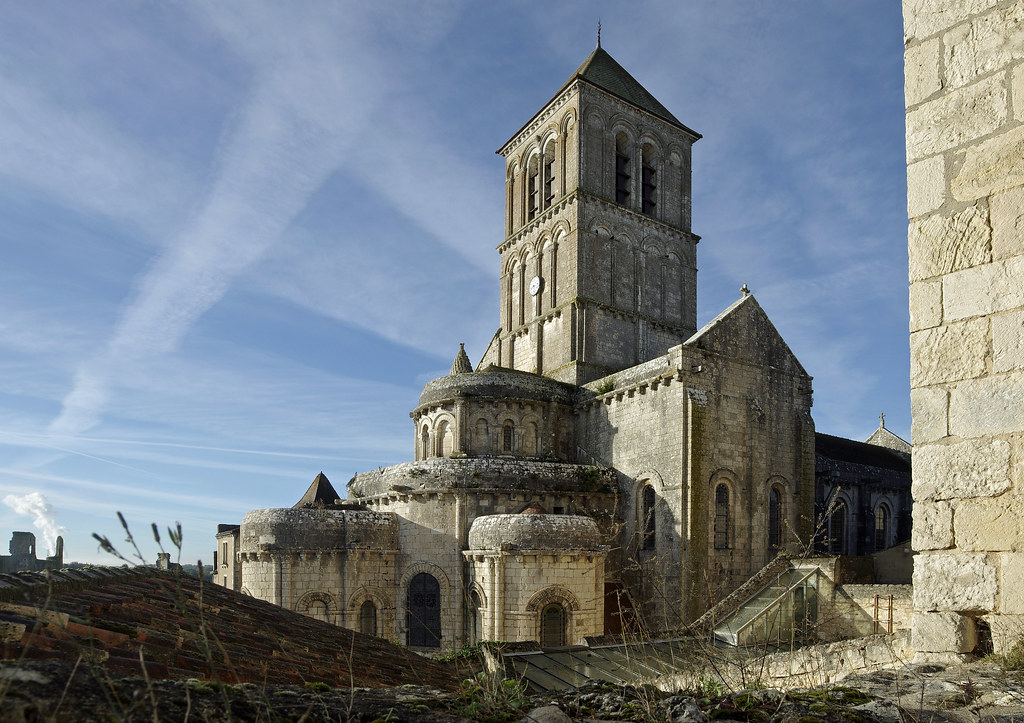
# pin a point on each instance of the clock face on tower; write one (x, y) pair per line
(535, 285)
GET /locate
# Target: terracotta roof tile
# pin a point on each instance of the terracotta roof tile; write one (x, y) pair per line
(188, 630)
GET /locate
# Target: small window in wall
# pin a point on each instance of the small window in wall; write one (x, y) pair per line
(721, 517)
(224, 554)
(647, 517)
(649, 182)
(774, 519)
(507, 437)
(368, 618)
(552, 626)
(837, 530)
(881, 528)
(225, 581)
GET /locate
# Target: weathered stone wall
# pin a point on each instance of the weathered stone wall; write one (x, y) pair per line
(686, 423)
(321, 562)
(617, 280)
(965, 200)
(499, 412)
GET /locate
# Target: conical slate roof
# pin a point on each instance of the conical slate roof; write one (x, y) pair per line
(461, 365)
(320, 492)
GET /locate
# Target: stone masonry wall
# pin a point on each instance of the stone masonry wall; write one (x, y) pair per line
(965, 198)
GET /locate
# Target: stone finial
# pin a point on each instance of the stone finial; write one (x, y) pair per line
(745, 290)
(461, 365)
(881, 420)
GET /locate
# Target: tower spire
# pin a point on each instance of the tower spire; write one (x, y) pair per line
(599, 33)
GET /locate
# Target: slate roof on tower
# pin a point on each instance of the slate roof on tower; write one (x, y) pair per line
(602, 71)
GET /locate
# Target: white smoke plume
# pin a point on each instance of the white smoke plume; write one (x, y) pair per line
(36, 505)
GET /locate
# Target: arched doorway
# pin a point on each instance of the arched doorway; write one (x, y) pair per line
(423, 612)
(552, 626)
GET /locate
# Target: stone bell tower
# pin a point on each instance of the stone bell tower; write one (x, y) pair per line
(598, 265)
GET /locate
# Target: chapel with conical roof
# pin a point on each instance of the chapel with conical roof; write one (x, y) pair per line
(606, 465)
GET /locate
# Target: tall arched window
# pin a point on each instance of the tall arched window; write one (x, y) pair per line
(507, 437)
(423, 612)
(721, 517)
(552, 626)
(368, 618)
(647, 517)
(881, 527)
(474, 618)
(837, 530)
(533, 187)
(649, 181)
(774, 519)
(445, 439)
(549, 174)
(622, 176)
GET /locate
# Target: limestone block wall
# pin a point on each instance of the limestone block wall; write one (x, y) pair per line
(684, 425)
(964, 66)
(521, 564)
(321, 562)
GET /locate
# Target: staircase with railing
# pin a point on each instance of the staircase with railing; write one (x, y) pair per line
(783, 612)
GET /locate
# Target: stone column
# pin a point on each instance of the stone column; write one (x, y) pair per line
(964, 67)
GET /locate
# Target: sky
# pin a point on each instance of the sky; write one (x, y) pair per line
(237, 238)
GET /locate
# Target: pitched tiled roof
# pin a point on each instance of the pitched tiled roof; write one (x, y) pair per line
(182, 629)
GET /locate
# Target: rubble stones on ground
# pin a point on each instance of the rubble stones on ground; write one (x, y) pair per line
(980, 691)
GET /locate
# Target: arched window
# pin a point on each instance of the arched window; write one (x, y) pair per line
(622, 168)
(368, 618)
(721, 517)
(549, 174)
(881, 527)
(507, 437)
(647, 517)
(481, 443)
(474, 618)
(552, 626)
(649, 181)
(317, 609)
(774, 519)
(423, 612)
(530, 440)
(837, 530)
(445, 439)
(533, 187)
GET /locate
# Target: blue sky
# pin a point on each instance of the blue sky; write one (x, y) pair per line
(238, 238)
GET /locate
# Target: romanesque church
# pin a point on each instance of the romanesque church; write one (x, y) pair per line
(606, 464)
